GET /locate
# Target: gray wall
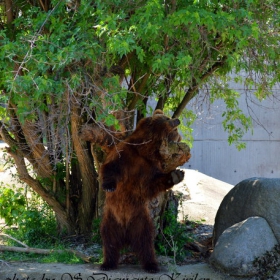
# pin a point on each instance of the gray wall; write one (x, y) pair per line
(211, 153)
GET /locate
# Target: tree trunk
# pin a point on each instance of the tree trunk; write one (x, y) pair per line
(89, 187)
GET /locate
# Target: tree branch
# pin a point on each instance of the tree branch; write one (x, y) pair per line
(6, 136)
(43, 251)
(39, 152)
(192, 91)
(28, 143)
(138, 91)
(14, 239)
(162, 99)
(104, 136)
(35, 184)
(9, 11)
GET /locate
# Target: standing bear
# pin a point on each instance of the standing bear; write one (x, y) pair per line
(132, 175)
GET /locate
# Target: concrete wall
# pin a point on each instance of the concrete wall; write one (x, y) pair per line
(211, 153)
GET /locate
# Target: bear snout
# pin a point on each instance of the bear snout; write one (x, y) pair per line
(175, 122)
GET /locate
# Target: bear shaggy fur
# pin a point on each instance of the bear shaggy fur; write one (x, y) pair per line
(132, 175)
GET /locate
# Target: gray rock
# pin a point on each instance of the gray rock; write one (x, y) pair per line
(241, 244)
(249, 198)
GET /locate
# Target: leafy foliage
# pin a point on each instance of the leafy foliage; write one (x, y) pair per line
(175, 43)
(171, 242)
(96, 238)
(173, 236)
(12, 205)
(34, 219)
(37, 226)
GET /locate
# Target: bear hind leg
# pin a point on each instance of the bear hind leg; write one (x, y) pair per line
(141, 237)
(111, 258)
(113, 241)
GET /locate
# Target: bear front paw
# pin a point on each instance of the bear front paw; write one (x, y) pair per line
(177, 176)
(109, 187)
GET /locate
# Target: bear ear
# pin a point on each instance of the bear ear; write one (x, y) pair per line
(158, 112)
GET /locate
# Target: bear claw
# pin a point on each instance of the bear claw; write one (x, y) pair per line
(110, 190)
(109, 187)
(177, 176)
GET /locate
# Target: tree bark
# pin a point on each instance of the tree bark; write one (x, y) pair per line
(9, 11)
(38, 151)
(88, 195)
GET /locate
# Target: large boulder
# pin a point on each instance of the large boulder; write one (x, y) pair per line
(251, 197)
(239, 245)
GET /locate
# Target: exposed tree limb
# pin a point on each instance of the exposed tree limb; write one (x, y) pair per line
(15, 124)
(28, 143)
(43, 251)
(14, 239)
(35, 184)
(6, 137)
(162, 99)
(192, 91)
(99, 134)
(138, 91)
(39, 152)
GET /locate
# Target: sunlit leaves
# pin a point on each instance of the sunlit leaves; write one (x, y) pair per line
(162, 63)
(111, 121)
(3, 111)
(120, 45)
(12, 205)
(183, 60)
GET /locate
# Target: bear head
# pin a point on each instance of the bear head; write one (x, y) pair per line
(152, 132)
(156, 128)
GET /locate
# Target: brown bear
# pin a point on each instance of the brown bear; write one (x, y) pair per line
(132, 175)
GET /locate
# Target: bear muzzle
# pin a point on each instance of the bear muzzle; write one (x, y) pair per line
(175, 122)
